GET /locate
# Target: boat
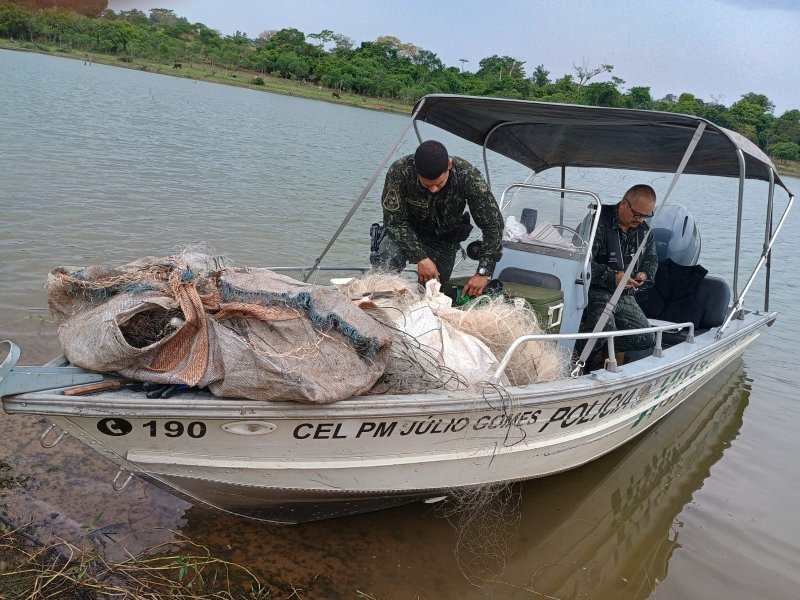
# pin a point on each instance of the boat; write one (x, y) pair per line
(287, 462)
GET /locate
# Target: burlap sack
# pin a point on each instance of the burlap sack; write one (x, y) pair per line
(246, 333)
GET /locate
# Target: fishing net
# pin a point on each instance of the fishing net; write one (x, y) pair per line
(242, 332)
(427, 353)
(497, 322)
(480, 332)
(486, 520)
(198, 320)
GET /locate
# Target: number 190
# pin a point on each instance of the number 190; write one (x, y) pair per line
(195, 429)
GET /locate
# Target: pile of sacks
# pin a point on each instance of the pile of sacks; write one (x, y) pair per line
(253, 333)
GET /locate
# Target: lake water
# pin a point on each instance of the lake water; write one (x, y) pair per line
(102, 165)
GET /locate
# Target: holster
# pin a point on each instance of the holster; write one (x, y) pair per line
(377, 232)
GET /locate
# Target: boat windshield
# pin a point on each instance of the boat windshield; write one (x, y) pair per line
(540, 217)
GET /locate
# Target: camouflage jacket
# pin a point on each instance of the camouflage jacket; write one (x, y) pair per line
(602, 275)
(411, 212)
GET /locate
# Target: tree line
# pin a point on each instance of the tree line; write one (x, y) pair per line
(384, 68)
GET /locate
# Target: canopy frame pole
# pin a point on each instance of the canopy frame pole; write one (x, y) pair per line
(737, 305)
(768, 227)
(739, 213)
(366, 190)
(612, 303)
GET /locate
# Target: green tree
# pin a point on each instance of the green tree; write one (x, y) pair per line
(503, 76)
(540, 77)
(162, 16)
(343, 45)
(497, 67)
(113, 36)
(563, 89)
(786, 128)
(15, 21)
(133, 16)
(323, 37)
(639, 97)
(752, 117)
(784, 151)
(602, 94)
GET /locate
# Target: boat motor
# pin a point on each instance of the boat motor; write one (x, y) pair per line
(676, 235)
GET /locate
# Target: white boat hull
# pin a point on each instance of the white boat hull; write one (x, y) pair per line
(285, 462)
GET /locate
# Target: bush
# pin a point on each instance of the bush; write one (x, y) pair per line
(784, 151)
(257, 81)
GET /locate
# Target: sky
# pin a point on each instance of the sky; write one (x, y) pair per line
(717, 50)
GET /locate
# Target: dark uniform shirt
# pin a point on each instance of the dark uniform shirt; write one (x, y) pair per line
(603, 276)
(411, 212)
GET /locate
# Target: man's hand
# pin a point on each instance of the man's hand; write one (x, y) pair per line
(426, 270)
(476, 285)
(633, 282)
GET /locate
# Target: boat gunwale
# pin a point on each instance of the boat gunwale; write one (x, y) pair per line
(126, 403)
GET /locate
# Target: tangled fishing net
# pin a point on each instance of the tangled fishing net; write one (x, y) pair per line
(498, 322)
(198, 320)
(426, 353)
(242, 332)
(485, 519)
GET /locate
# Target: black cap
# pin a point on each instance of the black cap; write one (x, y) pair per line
(430, 159)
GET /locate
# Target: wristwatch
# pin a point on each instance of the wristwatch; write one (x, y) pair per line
(482, 271)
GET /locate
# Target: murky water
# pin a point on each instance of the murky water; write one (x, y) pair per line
(101, 166)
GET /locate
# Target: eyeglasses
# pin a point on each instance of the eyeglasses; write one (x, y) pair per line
(636, 214)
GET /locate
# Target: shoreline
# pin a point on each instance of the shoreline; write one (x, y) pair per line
(203, 72)
(273, 85)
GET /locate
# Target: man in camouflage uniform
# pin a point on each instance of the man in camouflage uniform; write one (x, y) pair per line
(619, 233)
(424, 200)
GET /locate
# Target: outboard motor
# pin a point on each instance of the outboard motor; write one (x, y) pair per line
(676, 235)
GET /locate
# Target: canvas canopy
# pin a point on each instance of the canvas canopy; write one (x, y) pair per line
(541, 135)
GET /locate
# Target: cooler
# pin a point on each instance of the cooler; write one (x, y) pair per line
(548, 304)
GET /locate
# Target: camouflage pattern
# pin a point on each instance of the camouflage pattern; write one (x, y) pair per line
(627, 314)
(425, 225)
(390, 256)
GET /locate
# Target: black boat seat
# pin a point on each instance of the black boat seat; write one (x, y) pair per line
(685, 293)
(533, 278)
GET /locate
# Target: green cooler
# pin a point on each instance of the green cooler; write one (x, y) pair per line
(548, 304)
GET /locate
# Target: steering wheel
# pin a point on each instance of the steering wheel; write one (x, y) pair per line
(574, 233)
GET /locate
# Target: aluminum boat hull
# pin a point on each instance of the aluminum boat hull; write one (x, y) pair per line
(289, 463)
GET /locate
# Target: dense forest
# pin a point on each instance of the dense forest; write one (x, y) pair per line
(384, 68)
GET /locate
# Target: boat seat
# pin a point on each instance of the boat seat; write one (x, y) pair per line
(685, 293)
(533, 278)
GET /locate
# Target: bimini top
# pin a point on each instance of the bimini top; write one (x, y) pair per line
(542, 135)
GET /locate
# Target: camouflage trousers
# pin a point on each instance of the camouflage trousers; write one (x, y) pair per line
(391, 257)
(627, 315)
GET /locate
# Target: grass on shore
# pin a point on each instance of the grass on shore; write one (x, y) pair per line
(63, 571)
(204, 72)
(788, 167)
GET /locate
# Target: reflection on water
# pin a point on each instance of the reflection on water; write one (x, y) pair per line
(617, 533)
